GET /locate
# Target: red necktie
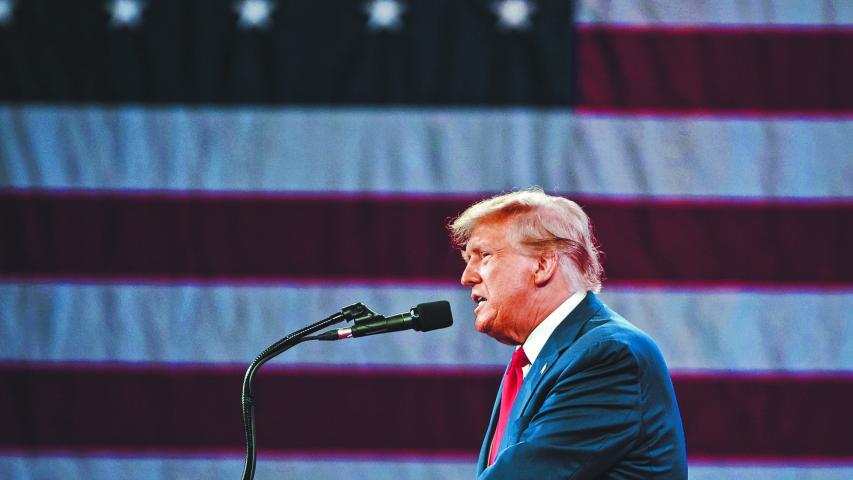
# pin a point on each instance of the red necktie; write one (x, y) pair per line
(511, 386)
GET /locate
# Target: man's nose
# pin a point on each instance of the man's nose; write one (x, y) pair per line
(470, 277)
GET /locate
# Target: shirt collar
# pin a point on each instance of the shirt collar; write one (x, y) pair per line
(537, 338)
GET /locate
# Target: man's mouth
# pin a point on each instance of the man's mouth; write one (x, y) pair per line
(478, 300)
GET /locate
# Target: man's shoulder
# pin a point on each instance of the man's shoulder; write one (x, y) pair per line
(609, 336)
(608, 328)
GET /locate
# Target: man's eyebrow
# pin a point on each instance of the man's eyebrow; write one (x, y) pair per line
(468, 246)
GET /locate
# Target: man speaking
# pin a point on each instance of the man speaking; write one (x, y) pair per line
(586, 395)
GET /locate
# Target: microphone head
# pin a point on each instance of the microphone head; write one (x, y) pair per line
(433, 315)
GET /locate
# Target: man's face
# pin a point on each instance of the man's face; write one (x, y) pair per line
(502, 284)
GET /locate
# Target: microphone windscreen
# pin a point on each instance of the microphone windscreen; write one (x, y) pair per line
(433, 315)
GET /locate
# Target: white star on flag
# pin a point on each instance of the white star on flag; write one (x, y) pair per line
(125, 13)
(254, 13)
(7, 7)
(384, 14)
(514, 14)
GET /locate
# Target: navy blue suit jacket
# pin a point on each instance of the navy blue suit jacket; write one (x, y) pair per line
(597, 403)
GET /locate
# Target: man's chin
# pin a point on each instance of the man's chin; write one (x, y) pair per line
(487, 328)
(482, 326)
(485, 325)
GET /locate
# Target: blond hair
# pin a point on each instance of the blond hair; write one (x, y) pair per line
(541, 224)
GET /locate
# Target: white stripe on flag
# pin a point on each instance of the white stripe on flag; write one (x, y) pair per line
(770, 472)
(696, 329)
(429, 151)
(717, 12)
(66, 467)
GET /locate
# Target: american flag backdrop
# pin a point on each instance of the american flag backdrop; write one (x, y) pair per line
(183, 182)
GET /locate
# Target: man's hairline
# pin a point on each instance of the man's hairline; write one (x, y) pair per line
(502, 216)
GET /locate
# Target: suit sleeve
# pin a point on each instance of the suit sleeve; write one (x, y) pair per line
(588, 421)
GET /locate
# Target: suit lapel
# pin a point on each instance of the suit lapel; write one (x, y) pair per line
(487, 442)
(563, 337)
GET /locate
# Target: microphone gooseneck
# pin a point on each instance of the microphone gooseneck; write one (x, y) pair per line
(423, 318)
(353, 312)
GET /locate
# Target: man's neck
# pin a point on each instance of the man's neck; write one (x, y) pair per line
(537, 338)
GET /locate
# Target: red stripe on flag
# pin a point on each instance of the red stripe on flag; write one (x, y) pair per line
(178, 238)
(163, 410)
(755, 417)
(713, 70)
(194, 410)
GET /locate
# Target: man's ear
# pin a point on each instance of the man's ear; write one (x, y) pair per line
(546, 267)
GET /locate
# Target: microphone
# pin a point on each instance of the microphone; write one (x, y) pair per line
(422, 318)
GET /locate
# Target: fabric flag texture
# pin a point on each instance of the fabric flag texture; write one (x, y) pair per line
(184, 182)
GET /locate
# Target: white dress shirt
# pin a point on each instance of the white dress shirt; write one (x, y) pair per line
(537, 338)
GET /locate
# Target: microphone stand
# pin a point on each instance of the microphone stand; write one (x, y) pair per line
(356, 312)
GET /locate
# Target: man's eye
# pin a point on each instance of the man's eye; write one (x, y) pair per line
(485, 254)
